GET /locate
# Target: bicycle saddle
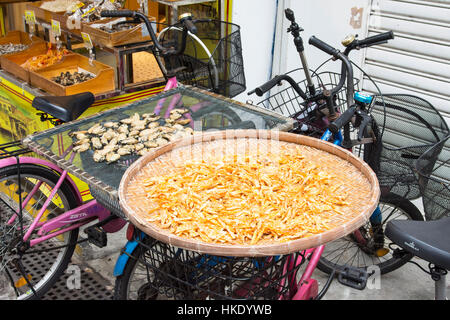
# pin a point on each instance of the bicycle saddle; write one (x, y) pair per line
(429, 240)
(65, 108)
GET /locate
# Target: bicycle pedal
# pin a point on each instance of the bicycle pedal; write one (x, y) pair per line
(382, 252)
(353, 277)
(96, 236)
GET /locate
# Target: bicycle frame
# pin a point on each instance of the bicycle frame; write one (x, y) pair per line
(67, 221)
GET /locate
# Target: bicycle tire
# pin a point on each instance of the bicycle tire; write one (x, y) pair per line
(47, 276)
(408, 209)
(123, 282)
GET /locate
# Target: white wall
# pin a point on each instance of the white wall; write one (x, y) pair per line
(329, 20)
(257, 21)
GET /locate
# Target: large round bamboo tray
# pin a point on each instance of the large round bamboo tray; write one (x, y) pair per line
(162, 160)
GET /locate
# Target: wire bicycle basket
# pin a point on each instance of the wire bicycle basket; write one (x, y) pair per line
(408, 127)
(290, 104)
(183, 274)
(215, 62)
(434, 188)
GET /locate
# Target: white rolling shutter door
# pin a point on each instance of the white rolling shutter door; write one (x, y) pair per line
(417, 61)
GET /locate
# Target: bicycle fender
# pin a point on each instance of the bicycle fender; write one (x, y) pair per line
(123, 258)
(29, 160)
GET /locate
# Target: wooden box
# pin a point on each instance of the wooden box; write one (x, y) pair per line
(103, 81)
(132, 35)
(19, 37)
(63, 18)
(40, 13)
(12, 63)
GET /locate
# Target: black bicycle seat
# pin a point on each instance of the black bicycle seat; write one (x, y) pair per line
(65, 108)
(429, 240)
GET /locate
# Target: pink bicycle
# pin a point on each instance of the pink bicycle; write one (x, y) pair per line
(41, 207)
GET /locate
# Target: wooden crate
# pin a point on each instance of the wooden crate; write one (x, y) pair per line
(40, 13)
(12, 63)
(62, 18)
(133, 35)
(19, 37)
(103, 81)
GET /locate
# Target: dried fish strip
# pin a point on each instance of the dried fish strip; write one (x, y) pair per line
(245, 200)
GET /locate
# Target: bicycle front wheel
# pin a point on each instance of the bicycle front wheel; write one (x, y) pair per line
(367, 246)
(28, 272)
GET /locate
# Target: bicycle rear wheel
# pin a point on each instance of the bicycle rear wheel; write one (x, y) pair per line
(43, 263)
(360, 249)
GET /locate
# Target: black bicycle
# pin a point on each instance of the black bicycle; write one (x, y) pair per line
(316, 102)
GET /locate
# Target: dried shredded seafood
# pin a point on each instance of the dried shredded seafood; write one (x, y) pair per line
(45, 60)
(245, 200)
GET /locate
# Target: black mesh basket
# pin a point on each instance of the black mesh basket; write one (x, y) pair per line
(408, 126)
(179, 274)
(223, 72)
(434, 183)
(290, 104)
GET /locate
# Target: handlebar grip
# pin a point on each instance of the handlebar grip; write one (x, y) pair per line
(323, 46)
(376, 39)
(268, 85)
(117, 13)
(189, 24)
(336, 125)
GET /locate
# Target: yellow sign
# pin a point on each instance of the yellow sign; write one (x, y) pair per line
(87, 40)
(30, 18)
(78, 6)
(56, 28)
(87, 12)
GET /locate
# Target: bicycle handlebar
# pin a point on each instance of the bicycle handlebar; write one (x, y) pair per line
(118, 13)
(276, 80)
(323, 46)
(185, 21)
(379, 38)
(347, 69)
(344, 118)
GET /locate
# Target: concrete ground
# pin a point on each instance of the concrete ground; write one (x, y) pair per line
(97, 265)
(406, 283)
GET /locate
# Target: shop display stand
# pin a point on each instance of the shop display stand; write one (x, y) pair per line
(173, 5)
(123, 55)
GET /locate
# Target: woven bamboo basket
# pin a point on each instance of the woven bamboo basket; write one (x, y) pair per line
(356, 174)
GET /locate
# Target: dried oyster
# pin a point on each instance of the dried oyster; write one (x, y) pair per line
(98, 156)
(183, 121)
(123, 129)
(123, 151)
(130, 141)
(97, 129)
(82, 147)
(96, 143)
(112, 157)
(111, 124)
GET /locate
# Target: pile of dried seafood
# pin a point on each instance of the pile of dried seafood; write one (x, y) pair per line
(68, 79)
(11, 48)
(134, 135)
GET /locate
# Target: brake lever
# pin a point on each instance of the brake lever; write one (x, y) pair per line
(366, 119)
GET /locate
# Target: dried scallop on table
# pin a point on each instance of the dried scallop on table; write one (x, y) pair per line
(137, 134)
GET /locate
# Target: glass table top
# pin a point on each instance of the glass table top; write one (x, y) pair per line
(207, 112)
